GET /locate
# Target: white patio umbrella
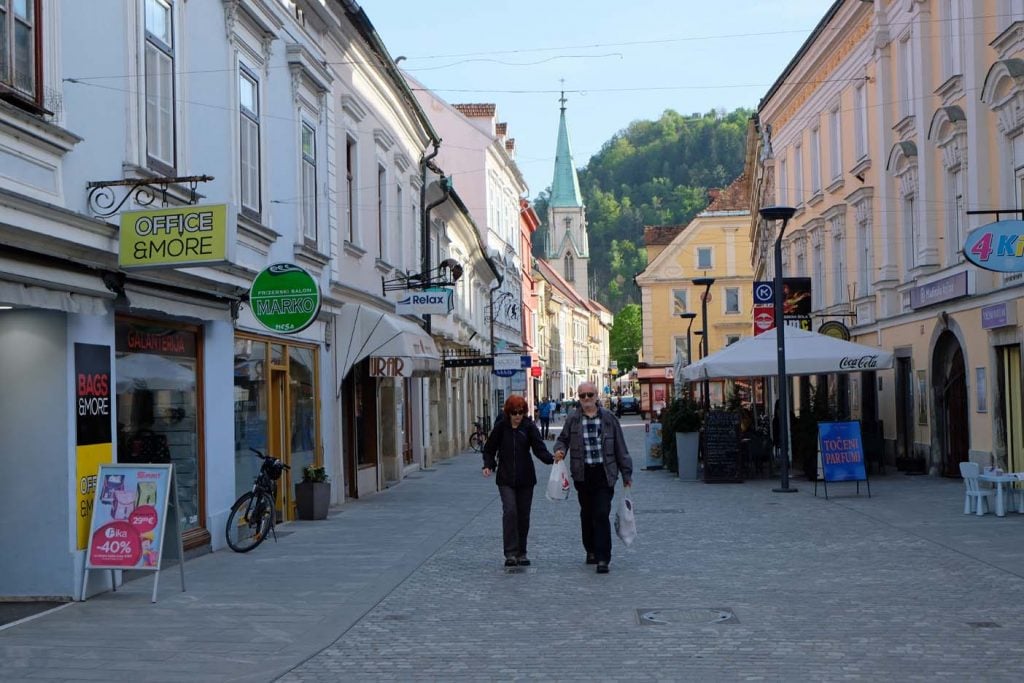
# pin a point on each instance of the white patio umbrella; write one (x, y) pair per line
(807, 353)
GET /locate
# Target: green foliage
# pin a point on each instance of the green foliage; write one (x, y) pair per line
(626, 336)
(315, 474)
(650, 173)
(681, 415)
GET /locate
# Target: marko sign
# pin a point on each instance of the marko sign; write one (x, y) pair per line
(285, 298)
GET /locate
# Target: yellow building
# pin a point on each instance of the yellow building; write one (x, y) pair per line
(896, 131)
(714, 245)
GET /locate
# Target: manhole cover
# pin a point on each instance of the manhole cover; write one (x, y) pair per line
(668, 616)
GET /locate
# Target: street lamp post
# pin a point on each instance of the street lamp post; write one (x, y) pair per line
(700, 354)
(690, 317)
(781, 213)
(706, 283)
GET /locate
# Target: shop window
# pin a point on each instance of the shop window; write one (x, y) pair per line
(157, 409)
(302, 408)
(250, 410)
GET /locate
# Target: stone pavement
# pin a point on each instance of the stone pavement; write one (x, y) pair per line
(725, 582)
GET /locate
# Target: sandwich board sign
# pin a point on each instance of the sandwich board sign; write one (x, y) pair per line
(131, 528)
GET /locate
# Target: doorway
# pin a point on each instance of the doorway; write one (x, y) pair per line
(359, 417)
(277, 425)
(950, 389)
(905, 456)
(1011, 404)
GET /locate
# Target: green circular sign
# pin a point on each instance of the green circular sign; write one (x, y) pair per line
(284, 298)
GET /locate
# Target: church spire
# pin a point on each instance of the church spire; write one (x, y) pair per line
(565, 188)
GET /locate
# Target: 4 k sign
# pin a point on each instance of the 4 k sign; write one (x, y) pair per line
(285, 298)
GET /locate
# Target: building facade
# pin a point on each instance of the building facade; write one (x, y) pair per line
(895, 133)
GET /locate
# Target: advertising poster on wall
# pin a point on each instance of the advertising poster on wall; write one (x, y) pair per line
(93, 444)
(129, 517)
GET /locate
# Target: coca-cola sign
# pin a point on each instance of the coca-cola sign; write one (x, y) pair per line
(868, 362)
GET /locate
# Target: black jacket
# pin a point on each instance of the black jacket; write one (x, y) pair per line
(507, 452)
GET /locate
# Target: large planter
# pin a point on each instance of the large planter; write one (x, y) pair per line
(687, 448)
(312, 499)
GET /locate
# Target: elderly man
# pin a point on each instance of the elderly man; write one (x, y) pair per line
(597, 455)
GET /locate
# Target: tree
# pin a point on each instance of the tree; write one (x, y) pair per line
(626, 336)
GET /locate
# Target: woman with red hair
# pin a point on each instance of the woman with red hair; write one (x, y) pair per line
(507, 452)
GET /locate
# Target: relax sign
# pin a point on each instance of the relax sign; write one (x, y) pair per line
(428, 302)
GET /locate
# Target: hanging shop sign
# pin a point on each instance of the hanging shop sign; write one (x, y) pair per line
(834, 328)
(179, 236)
(434, 301)
(285, 298)
(796, 295)
(997, 246)
(507, 364)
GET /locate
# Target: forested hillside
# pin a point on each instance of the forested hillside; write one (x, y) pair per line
(651, 173)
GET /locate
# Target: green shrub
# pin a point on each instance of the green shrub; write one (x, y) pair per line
(681, 415)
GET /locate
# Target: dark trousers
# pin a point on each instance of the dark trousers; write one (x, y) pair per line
(595, 498)
(515, 518)
(545, 426)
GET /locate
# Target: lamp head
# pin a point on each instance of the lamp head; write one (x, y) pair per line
(777, 213)
(687, 316)
(704, 281)
(454, 267)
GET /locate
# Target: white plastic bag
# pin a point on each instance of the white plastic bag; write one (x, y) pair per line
(625, 520)
(559, 483)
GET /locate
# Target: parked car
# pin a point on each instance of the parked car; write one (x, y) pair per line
(627, 404)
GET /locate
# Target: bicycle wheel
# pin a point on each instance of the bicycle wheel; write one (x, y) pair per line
(476, 442)
(249, 521)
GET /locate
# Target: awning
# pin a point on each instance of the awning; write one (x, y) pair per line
(41, 285)
(166, 303)
(29, 296)
(365, 331)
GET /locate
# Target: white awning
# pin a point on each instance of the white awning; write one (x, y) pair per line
(30, 296)
(365, 331)
(166, 303)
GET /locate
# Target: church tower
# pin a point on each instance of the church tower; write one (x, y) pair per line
(568, 250)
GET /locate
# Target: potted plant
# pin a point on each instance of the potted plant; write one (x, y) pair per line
(680, 429)
(313, 493)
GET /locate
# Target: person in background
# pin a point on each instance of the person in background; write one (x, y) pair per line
(597, 451)
(544, 412)
(507, 452)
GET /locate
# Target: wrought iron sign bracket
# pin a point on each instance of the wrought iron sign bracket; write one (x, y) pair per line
(103, 197)
(445, 275)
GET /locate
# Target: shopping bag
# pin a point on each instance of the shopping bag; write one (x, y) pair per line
(625, 521)
(559, 483)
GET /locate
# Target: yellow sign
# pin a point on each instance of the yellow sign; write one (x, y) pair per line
(180, 236)
(89, 460)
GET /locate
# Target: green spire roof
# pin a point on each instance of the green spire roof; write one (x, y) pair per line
(565, 188)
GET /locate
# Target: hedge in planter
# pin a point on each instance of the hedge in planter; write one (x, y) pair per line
(313, 493)
(681, 415)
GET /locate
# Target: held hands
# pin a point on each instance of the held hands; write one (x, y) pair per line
(487, 471)
(559, 455)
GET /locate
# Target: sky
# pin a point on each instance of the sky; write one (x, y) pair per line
(620, 61)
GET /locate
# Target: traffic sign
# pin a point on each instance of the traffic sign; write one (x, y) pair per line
(764, 292)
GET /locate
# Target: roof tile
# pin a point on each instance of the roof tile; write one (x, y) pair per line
(661, 234)
(478, 109)
(736, 197)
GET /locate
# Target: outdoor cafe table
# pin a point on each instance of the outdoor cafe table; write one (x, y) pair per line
(999, 480)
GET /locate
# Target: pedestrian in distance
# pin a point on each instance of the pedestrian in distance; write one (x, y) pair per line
(597, 451)
(545, 417)
(507, 454)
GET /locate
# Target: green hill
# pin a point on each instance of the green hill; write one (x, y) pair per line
(650, 173)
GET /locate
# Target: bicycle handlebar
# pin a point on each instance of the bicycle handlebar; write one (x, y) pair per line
(259, 454)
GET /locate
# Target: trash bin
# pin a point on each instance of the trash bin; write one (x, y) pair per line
(687, 446)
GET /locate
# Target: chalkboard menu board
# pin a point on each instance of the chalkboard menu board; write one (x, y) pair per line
(722, 447)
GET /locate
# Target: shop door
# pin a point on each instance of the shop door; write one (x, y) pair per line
(1012, 405)
(954, 398)
(904, 414)
(278, 430)
(406, 422)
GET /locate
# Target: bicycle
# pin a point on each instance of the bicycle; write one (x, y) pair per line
(252, 515)
(479, 436)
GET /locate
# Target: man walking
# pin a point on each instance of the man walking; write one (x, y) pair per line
(597, 455)
(544, 412)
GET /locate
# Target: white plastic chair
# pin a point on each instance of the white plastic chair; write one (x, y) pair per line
(970, 471)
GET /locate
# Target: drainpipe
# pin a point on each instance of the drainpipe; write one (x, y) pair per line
(497, 285)
(425, 164)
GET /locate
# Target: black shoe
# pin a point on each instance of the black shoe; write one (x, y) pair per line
(602, 567)
(523, 561)
(511, 562)
(591, 559)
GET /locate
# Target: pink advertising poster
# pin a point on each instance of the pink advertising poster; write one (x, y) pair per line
(128, 517)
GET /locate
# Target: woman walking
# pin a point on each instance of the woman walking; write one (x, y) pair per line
(507, 452)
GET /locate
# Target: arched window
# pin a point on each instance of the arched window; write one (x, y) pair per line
(570, 268)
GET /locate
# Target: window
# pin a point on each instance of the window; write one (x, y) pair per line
(160, 127)
(860, 121)
(865, 255)
(951, 45)
(399, 223)
(783, 183)
(909, 235)
(249, 140)
(679, 343)
(818, 274)
(732, 300)
(798, 174)
(836, 147)
(704, 258)
(838, 262)
(679, 301)
(20, 50)
(308, 182)
(815, 160)
(906, 84)
(382, 227)
(731, 339)
(350, 190)
(570, 268)
(955, 216)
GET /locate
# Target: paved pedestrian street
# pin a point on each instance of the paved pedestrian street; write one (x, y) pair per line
(724, 582)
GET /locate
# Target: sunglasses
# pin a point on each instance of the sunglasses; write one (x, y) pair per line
(517, 412)
(587, 394)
